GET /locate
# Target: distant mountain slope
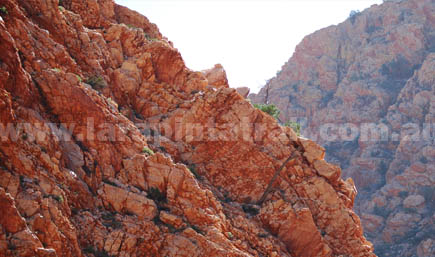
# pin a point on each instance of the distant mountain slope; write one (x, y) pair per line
(376, 69)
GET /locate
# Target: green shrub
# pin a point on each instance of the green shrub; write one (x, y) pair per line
(149, 38)
(295, 126)
(3, 10)
(270, 109)
(112, 102)
(58, 198)
(147, 150)
(96, 82)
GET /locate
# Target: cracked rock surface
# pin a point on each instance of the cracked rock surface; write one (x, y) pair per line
(99, 155)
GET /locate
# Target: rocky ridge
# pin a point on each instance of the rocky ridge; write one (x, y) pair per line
(370, 82)
(99, 155)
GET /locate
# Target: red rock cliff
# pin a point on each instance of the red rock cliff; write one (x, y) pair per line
(99, 157)
(375, 70)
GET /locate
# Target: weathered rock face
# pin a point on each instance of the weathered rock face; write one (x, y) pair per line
(111, 146)
(216, 76)
(365, 90)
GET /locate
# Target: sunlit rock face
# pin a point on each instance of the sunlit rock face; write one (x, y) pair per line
(110, 146)
(364, 90)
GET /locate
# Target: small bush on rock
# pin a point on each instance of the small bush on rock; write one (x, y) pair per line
(3, 10)
(96, 82)
(270, 109)
(295, 126)
(147, 151)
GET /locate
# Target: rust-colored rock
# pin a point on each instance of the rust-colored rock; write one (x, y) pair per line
(329, 171)
(216, 76)
(313, 151)
(10, 217)
(116, 148)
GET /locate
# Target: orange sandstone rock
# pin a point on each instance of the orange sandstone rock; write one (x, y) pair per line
(127, 152)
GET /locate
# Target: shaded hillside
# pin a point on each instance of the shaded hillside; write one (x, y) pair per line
(110, 146)
(365, 90)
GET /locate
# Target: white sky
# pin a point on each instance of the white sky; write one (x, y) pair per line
(252, 39)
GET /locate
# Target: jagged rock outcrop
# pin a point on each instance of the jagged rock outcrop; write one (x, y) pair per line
(111, 146)
(216, 76)
(243, 91)
(365, 90)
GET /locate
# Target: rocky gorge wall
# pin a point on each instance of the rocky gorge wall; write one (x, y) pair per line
(111, 146)
(365, 90)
